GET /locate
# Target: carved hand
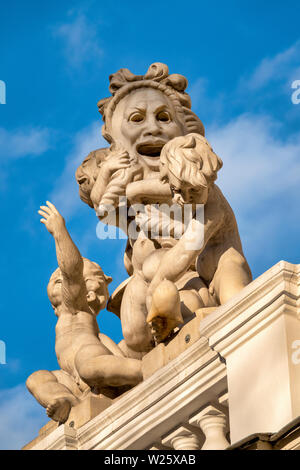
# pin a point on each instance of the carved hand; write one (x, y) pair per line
(52, 218)
(117, 161)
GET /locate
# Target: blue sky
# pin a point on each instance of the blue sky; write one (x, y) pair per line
(240, 58)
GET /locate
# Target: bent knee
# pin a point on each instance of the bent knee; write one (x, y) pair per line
(232, 256)
(234, 263)
(38, 377)
(138, 341)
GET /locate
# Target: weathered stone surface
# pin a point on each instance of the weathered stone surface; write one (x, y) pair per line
(153, 361)
(257, 333)
(90, 407)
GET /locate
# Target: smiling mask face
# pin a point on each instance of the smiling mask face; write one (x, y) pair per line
(143, 122)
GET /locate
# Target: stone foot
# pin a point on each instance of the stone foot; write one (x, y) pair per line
(59, 409)
(164, 314)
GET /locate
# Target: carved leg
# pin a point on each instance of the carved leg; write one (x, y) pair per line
(190, 301)
(194, 294)
(164, 312)
(52, 395)
(130, 352)
(136, 332)
(232, 275)
(99, 369)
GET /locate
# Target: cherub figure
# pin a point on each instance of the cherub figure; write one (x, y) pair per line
(164, 278)
(189, 166)
(116, 171)
(89, 360)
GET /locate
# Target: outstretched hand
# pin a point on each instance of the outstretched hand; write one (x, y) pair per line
(53, 220)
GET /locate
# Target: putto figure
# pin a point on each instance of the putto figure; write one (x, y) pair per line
(189, 166)
(205, 266)
(89, 360)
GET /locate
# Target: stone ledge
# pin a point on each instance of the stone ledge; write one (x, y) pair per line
(84, 412)
(150, 409)
(257, 332)
(282, 278)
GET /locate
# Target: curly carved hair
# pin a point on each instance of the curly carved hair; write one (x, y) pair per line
(190, 158)
(157, 77)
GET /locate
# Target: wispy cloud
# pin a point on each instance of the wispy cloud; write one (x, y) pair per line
(79, 39)
(258, 164)
(279, 67)
(65, 192)
(19, 143)
(21, 418)
(266, 87)
(260, 176)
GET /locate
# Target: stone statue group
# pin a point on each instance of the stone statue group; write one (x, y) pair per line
(158, 155)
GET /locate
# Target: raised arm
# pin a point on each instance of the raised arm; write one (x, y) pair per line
(69, 258)
(178, 259)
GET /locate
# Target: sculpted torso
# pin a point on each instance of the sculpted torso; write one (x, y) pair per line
(73, 332)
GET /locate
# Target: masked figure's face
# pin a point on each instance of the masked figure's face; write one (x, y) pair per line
(143, 122)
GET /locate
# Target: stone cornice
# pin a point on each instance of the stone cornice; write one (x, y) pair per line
(161, 402)
(259, 302)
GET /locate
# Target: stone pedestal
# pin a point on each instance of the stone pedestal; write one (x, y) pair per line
(257, 333)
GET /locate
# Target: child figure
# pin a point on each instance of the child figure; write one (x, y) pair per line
(189, 165)
(116, 170)
(204, 267)
(89, 360)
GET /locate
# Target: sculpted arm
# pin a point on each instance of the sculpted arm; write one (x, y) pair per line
(151, 190)
(178, 259)
(69, 259)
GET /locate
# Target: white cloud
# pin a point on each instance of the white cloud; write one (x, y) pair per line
(270, 80)
(261, 168)
(261, 174)
(21, 417)
(19, 143)
(65, 193)
(80, 40)
(258, 164)
(282, 66)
